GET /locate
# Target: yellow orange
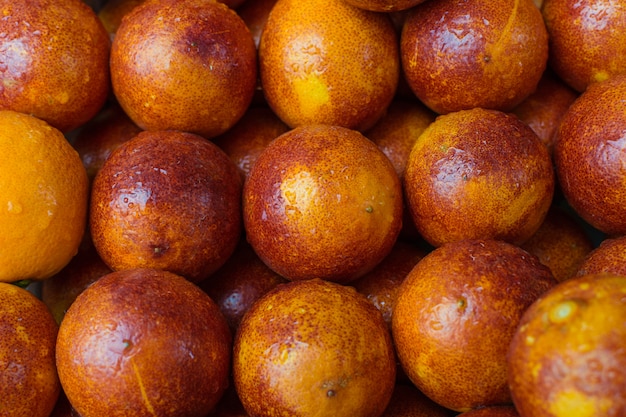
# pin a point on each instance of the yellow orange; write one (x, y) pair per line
(328, 62)
(43, 198)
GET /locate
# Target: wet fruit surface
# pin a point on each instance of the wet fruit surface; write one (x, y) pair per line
(141, 343)
(589, 154)
(169, 200)
(339, 67)
(459, 54)
(311, 348)
(322, 202)
(478, 174)
(586, 40)
(54, 61)
(568, 356)
(29, 385)
(206, 80)
(455, 315)
(44, 192)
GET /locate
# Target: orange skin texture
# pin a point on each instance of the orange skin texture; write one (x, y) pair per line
(589, 155)
(561, 243)
(54, 57)
(408, 401)
(492, 411)
(478, 174)
(568, 356)
(29, 385)
(237, 285)
(314, 348)
(59, 291)
(44, 192)
(100, 136)
(587, 40)
(459, 54)
(455, 315)
(186, 65)
(309, 184)
(143, 342)
(337, 67)
(245, 141)
(384, 6)
(168, 200)
(544, 108)
(608, 257)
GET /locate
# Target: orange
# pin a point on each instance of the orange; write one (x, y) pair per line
(395, 133)
(587, 39)
(255, 14)
(97, 138)
(561, 243)
(54, 61)
(545, 107)
(143, 342)
(29, 385)
(113, 11)
(187, 65)
(251, 134)
(242, 280)
(322, 202)
(327, 62)
(567, 357)
(397, 130)
(313, 348)
(609, 257)
(43, 198)
(589, 155)
(478, 174)
(59, 291)
(382, 283)
(167, 200)
(459, 54)
(455, 315)
(233, 4)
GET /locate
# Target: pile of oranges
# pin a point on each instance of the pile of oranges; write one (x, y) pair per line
(376, 208)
